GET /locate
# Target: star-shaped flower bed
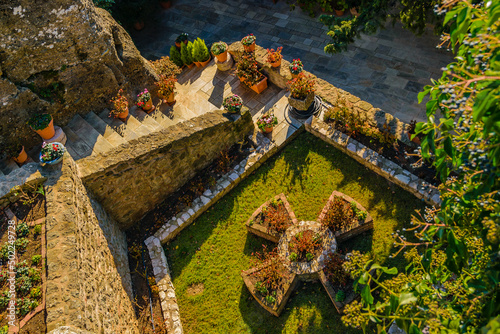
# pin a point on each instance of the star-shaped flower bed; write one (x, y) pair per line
(306, 250)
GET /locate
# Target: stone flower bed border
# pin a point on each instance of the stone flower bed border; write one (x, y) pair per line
(260, 230)
(281, 298)
(353, 230)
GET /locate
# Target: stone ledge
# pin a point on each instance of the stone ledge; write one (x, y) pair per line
(372, 160)
(24, 177)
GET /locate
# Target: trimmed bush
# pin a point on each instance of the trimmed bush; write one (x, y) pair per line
(186, 53)
(175, 56)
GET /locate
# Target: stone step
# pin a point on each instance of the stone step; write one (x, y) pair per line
(163, 115)
(89, 135)
(7, 166)
(104, 129)
(119, 126)
(76, 147)
(145, 119)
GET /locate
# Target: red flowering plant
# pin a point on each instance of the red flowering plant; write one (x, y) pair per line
(301, 86)
(51, 151)
(142, 98)
(120, 104)
(232, 103)
(248, 71)
(248, 40)
(166, 86)
(267, 121)
(274, 56)
(296, 66)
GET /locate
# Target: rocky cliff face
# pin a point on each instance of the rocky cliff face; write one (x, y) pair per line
(62, 57)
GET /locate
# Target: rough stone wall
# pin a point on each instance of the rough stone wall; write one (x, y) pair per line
(329, 93)
(62, 57)
(88, 279)
(132, 178)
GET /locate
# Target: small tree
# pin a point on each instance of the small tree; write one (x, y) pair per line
(187, 53)
(200, 50)
(175, 56)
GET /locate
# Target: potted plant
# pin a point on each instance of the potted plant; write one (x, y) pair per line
(120, 106)
(296, 67)
(16, 152)
(182, 38)
(339, 6)
(166, 66)
(219, 50)
(166, 87)
(52, 153)
(249, 73)
(301, 91)
(186, 54)
(267, 122)
(233, 103)
(175, 55)
(274, 57)
(166, 4)
(249, 43)
(145, 101)
(43, 124)
(200, 52)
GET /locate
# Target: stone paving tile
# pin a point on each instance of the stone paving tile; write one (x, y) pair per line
(379, 62)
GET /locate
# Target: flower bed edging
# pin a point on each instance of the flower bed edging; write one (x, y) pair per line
(374, 161)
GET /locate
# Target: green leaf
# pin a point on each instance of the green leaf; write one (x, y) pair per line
(364, 278)
(407, 298)
(366, 294)
(392, 271)
(448, 146)
(394, 303)
(414, 329)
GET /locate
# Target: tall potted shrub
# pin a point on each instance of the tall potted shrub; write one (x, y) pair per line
(186, 54)
(175, 56)
(301, 91)
(200, 52)
(43, 124)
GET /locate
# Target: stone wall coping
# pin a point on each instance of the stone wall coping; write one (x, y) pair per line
(29, 174)
(374, 161)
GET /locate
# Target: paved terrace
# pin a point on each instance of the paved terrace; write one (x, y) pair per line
(387, 69)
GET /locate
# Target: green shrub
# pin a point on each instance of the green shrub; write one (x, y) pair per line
(26, 305)
(22, 229)
(35, 293)
(293, 257)
(175, 56)
(35, 259)
(37, 229)
(340, 296)
(261, 288)
(23, 285)
(4, 329)
(21, 244)
(200, 50)
(270, 299)
(186, 53)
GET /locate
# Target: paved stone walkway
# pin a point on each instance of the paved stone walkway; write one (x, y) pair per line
(387, 69)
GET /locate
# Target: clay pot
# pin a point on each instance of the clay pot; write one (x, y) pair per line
(276, 64)
(416, 140)
(139, 25)
(338, 12)
(260, 86)
(123, 115)
(178, 44)
(294, 75)
(204, 63)
(22, 157)
(148, 106)
(250, 48)
(268, 129)
(165, 4)
(48, 132)
(222, 57)
(170, 99)
(190, 65)
(197, 63)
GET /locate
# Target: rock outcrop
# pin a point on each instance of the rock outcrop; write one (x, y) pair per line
(62, 57)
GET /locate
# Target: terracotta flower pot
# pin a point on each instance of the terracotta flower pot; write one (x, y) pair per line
(268, 129)
(222, 57)
(166, 4)
(205, 63)
(250, 48)
(197, 63)
(48, 132)
(123, 115)
(260, 86)
(294, 75)
(190, 65)
(177, 44)
(338, 12)
(139, 25)
(171, 98)
(22, 157)
(276, 64)
(148, 106)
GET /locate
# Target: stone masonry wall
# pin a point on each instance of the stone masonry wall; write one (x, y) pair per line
(88, 281)
(134, 177)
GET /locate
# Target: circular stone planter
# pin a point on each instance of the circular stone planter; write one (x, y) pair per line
(307, 271)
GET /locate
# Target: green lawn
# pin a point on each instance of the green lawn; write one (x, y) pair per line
(216, 247)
